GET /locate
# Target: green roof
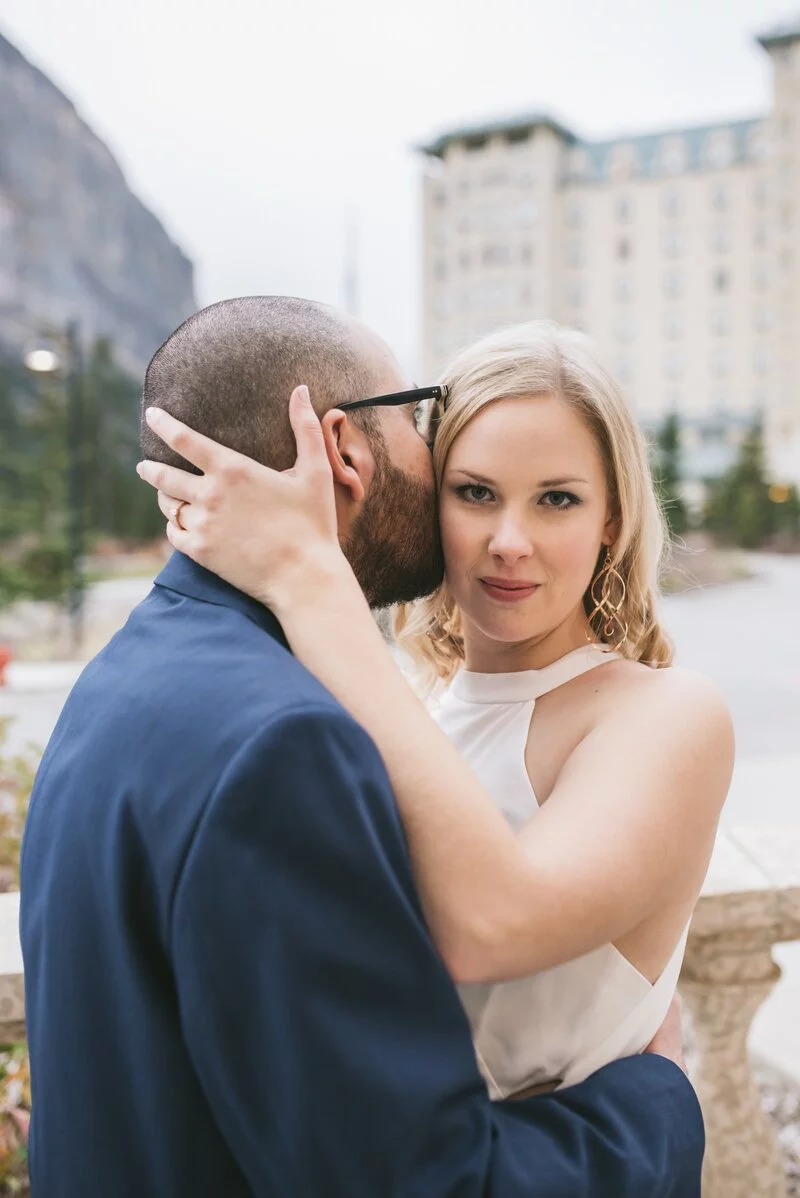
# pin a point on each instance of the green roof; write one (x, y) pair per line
(518, 124)
(780, 35)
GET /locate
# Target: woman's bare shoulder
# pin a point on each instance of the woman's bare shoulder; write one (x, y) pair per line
(684, 701)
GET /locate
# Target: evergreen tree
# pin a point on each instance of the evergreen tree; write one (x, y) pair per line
(738, 509)
(667, 475)
(35, 463)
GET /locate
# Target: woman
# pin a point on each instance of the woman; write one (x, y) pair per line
(565, 931)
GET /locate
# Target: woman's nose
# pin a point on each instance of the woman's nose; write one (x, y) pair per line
(510, 542)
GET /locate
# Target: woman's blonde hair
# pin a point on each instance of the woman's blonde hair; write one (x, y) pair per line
(542, 358)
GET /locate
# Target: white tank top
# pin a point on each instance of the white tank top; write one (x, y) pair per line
(563, 1023)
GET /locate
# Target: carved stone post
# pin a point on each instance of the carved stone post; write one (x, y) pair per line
(751, 901)
(723, 988)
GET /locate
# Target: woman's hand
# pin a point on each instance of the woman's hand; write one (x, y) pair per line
(271, 534)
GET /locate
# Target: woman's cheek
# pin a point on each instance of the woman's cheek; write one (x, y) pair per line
(458, 536)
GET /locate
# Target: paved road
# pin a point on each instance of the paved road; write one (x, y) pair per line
(746, 637)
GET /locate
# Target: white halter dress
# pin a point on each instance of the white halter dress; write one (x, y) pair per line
(563, 1023)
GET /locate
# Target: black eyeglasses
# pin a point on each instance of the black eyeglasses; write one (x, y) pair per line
(429, 405)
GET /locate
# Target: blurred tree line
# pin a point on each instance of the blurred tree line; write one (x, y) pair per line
(744, 507)
(35, 464)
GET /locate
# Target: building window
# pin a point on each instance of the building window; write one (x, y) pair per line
(463, 188)
(574, 293)
(760, 277)
(495, 179)
(673, 155)
(761, 361)
(464, 223)
(439, 230)
(473, 144)
(671, 204)
(721, 240)
(673, 365)
(721, 281)
(575, 255)
(672, 241)
(495, 254)
(579, 164)
(673, 284)
(624, 329)
(440, 270)
(721, 360)
(623, 289)
(720, 321)
(720, 148)
(786, 259)
(721, 197)
(624, 249)
(762, 320)
(624, 371)
(787, 215)
(674, 325)
(464, 261)
(758, 145)
(760, 235)
(623, 162)
(573, 215)
(526, 253)
(760, 193)
(526, 294)
(516, 136)
(526, 179)
(623, 210)
(439, 197)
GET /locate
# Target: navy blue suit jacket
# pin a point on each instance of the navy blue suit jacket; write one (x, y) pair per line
(230, 986)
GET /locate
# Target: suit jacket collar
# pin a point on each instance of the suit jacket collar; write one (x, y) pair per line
(184, 576)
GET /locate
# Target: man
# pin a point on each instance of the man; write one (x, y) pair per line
(231, 989)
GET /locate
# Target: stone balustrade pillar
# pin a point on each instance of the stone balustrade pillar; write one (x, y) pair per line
(750, 902)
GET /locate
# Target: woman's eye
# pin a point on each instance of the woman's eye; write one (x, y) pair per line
(474, 493)
(561, 500)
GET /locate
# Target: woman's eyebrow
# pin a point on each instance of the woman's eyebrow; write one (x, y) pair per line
(561, 482)
(546, 482)
(479, 478)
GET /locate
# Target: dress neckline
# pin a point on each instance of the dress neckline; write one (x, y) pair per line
(523, 685)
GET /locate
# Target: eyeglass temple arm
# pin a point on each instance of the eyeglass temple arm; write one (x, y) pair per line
(398, 398)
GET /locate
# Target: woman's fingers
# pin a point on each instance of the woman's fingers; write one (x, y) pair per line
(169, 505)
(180, 484)
(193, 446)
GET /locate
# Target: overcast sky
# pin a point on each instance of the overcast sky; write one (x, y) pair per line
(250, 126)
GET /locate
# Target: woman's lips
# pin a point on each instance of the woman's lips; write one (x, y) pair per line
(505, 591)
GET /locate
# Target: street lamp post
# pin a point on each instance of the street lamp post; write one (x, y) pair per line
(65, 358)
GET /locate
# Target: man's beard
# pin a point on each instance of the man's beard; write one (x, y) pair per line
(394, 547)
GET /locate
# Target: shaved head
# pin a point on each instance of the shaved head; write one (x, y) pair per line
(228, 371)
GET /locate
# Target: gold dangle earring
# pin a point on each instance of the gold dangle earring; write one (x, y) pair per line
(607, 594)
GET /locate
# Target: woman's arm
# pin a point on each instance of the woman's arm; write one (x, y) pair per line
(631, 819)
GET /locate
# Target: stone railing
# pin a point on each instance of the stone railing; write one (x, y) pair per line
(751, 902)
(12, 996)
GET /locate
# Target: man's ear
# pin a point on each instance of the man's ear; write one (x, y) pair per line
(349, 454)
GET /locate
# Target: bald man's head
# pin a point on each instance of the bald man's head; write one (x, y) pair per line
(228, 371)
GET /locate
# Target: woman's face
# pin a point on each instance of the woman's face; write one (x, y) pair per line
(524, 509)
